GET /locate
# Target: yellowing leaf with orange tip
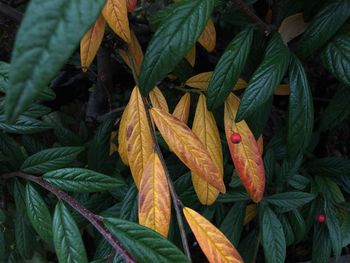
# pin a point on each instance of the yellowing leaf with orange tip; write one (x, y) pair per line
(292, 26)
(186, 145)
(204, 126)
(208, 37)
(245, 155)
(191, 56)
(154, 198)
(136, 54)
(122, 143)
(116, 15)
(260, 143)
(138, 136)
(90, 43)
(182, 109)
(158, 100)
(282, 90)
(200, 81)
(250, 213)
(214, 244)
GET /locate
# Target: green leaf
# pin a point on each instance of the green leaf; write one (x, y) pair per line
(345, 230)
(144, 244)
(298, 181)
(298, 225)
(129, 209)
(266, 78)
(324, 26)
(3, 247)
(24, 235)
(289, 200)
(173, 40)
(66, 237)
(248, 247)
(336, 57)
(301, 112)
(329, 166)
(287, 229)
(81, 180)
(4, 75)
(229, 68)
(50, 159)
(36, 111)
(233, 196)
(40, 51)
(334, 230)
(12, 151)
(24, 125)
(337, 110)
(321, 245)
(38, 214)
(273, 240)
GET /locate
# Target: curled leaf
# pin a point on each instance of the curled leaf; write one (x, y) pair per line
(187, 147)
(208, 36)
(158, 100)
(214, 244)
(182, 109)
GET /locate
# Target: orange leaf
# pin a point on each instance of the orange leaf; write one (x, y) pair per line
(260, 143)
(116, 14)
(214, 244)
(208, 37)
(250, 213)
(135, 50)
(282, 90)
(292, 26)
(131, 4)
(90, 43)
(187, 147)
(204, 126)
(122, 143)
(191, 56)
(138, 136)
(182, 109)
(154, 197)
(245, 155)
(158, 100)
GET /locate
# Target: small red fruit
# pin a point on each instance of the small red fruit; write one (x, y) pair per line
(131, 4)
(236, 138)
(321, 218)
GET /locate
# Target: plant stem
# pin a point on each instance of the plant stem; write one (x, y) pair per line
(249, 13)
(95, 220)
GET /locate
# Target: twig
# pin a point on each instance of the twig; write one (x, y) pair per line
(176, 200)
(246, 10)
(95, 220)
(9, 12)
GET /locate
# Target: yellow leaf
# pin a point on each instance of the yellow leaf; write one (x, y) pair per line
(204, 126)
(90, 43)
(135, 50)
(154, 197)
(122, 143)
(187, 147)
(245, 154)
(250, 213)
(191, 56)
(214, 244)
(282, 90)
(260, 143)
(158, 100)
(208, 37)
(182, 109)
(113, 147)
(138, 136)
(292, 26)
(241, 84)
(116, 15)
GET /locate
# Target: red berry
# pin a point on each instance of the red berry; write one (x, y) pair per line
(235, 138)
(321, 218)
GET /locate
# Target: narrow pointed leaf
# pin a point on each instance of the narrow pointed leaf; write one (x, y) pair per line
(188, 147)
(290, 200)
(90, 43)
(39, 52)
(68, 243)
(200, 81)
(266, 78)
(213, 243)
(116, 15)
(229, 68)
(122, 143)
(154, 197)
(245, 155)
(173, 40)
(191, 56)
(204, 126)
(208, 37)
(158, 100)
(182, 109)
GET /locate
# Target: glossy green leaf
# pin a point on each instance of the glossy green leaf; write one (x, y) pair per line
(129, 208)
(249, 246)
(36, 111)
(329, 166)
(298, 225)
(266, 78)
(81, 180)
(345, 230)
(24, 235)
(233, 196)
(14, 155)
(321, 245)
(144, 244)
(173, 39)
(38, 214)
(289, 200)
(24, 125)
(324, 26)
(50, 159)
(229, 68)
(301, 112)
(334, 230)
(68, 243)
(272, 235)
(40, 51)
(287, 229)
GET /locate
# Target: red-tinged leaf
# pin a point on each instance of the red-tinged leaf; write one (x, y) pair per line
(131, 4)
